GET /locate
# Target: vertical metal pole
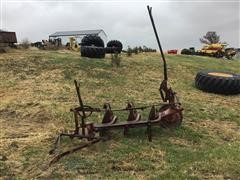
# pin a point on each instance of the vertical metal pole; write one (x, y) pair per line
(76, 123)
(82, 106)
(83, 125)
(149, 131)
(158, 41)
(79, 97)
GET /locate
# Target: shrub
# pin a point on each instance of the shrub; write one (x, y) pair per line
(129, 51)
(116, 59)
(25, 43)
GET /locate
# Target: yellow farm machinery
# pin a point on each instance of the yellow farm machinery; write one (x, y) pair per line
(217, 50)
(73, 44)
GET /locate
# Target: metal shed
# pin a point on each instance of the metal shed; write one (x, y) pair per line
(64, 35)
(7, 38)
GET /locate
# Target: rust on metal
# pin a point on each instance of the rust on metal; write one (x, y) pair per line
(167, 115)
(133, 116)
(108, 117)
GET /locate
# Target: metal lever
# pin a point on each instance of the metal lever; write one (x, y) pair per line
(158, 41)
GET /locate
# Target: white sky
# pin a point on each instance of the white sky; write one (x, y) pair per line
(179, 24)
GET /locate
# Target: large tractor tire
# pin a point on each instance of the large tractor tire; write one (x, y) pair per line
(92, 52)
(112, 50)
(92, 40)
(218, 82)
(218, 54)
(114, 45)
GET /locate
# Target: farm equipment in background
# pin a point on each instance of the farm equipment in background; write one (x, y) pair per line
(230, 53)
(167, 114)
(190, 51)
(213, 50)
(51, 44)
(217, 50)
(73, 44)
(172, 51)
(237, 53)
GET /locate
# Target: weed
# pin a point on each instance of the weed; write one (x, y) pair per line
(116, 59)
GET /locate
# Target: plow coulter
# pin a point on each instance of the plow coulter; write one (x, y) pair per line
(167, 114)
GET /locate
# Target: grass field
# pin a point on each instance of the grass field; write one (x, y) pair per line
(37, 91)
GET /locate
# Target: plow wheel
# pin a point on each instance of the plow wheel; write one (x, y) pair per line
(171, 121)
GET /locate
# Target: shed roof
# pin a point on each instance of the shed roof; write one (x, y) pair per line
(76, 33)
(8, 37)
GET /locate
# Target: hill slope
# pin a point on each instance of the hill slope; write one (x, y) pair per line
(37, 91)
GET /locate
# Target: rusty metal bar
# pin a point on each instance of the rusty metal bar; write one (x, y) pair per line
(76, 122)
(79, 97)
(129, 124)
(159, 44)
(56, 158)
(93, 109)
(81, 105)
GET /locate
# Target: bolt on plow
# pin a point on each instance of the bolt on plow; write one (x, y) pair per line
(166, 114)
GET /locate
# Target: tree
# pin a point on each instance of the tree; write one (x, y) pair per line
(211, 37)
(129, 51)
(135, 50)
(140, 49)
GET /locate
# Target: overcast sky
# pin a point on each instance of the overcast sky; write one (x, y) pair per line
(179, 24)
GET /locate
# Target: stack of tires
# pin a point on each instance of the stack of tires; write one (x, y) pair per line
(114, 46)
(92, 46)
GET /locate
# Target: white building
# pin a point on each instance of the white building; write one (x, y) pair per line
(65, 35)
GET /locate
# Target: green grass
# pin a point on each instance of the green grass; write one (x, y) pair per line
(37, 91)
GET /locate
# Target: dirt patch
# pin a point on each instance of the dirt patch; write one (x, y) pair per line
(7, 113)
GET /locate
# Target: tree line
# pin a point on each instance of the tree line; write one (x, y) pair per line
(138, 49)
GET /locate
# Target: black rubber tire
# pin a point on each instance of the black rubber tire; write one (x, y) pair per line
(92, 40)
(92, 52)
(115, 44)
(111, 50)
(218, 83)
(218, 54)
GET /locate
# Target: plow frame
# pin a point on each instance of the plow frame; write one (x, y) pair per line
(94, 133)
(168, 115)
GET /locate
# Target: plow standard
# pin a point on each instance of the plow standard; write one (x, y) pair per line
(167, 114)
